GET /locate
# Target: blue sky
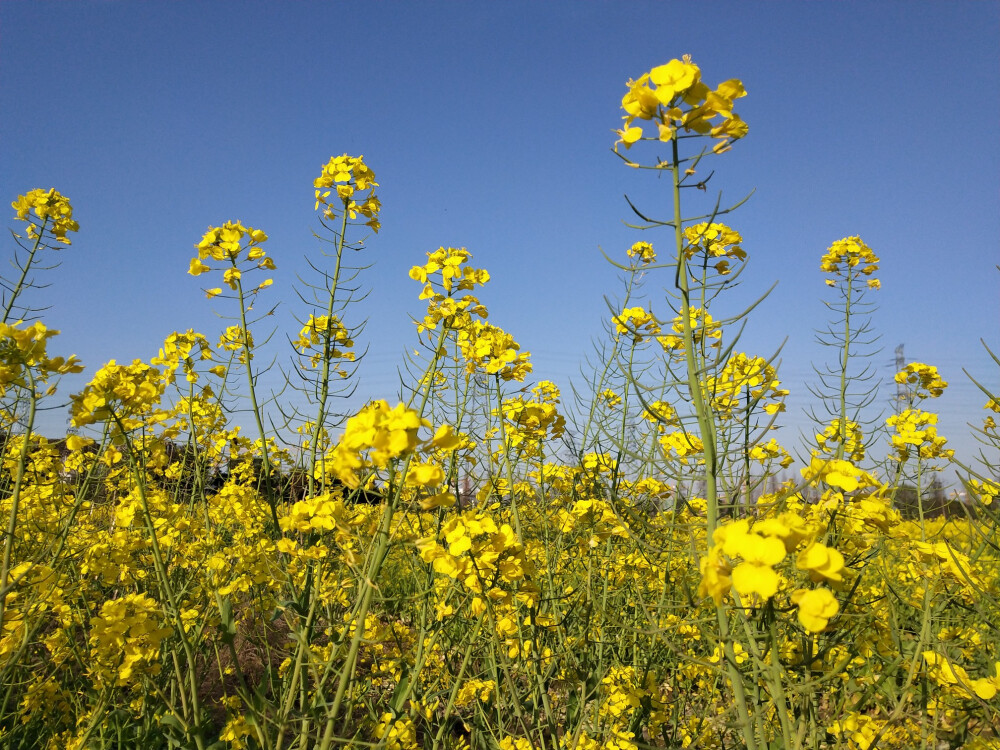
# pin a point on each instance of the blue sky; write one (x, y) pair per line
(489, 126)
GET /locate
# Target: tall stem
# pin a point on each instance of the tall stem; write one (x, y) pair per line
(845, 358)
(16, 292)
(324, 378)
(269, 493)
(22, 462)
(706, 426)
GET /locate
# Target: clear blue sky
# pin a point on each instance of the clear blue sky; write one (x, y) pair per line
(489, 125)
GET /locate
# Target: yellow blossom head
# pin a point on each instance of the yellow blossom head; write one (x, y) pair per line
(46, 210)
(354, 184)
(673, 97)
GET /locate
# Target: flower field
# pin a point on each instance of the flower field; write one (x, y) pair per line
(487, 563)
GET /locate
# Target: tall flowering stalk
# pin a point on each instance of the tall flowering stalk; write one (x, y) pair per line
(667, 105)
(237, 250)
(345, 191)
(49, 217)
(846, 390)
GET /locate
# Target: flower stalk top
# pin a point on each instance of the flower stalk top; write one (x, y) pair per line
(349, 176)
(673, 97)
(46, 205)
(230, 245)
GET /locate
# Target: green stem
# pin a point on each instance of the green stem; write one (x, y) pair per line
(845, 357)
(324, 379)
(515, 516)
(22, 462)
(706, 426)
(269, 493)
(24, 271)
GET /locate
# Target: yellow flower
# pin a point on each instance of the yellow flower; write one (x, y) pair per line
(923, 380)
(492, 350)
(197, 267)
(225, 244)
(642, 250)
(914, 428)
(816, 608)
(673, 78)
(630, 135)
(849, 256)
(23, 349)
(837, 473)
(232, 276)
(424, 475)
(661, 95)
(756, 575)
(714, 240)
(397, 734)
(47, 205)
(126, 392)
(78, 442)
(684, 444)
(986, 491)
(373, 437)
(442, 500)
(349, 176)
(822, 562)
(125, 639)
(716, 578)
(637, 322)
(445, 438)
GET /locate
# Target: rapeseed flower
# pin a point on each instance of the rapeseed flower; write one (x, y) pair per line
(46, 206)
(816, 608)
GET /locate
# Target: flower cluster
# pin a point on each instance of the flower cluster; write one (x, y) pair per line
(328, 338)
(703, 326)
(227, 245)
(848, 254)
(125, 639)
(847, 433)
(531, 421)
(23, 356)
(922, 381)
(914, 429)
(397, 734)
(46, 206)
(488, 348)
(643, 251)
(851, 258)
(685, 445)
(744, 374)
(661, 414)
(180, 350)
(771, 451)
(843, 475)
(673, 96)
(372, 438)
(473, 549)
(637, 322)
(714, 240)
(122, 394)
(237, 339)
(744, 558)
(456, 275)
(350, 177)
